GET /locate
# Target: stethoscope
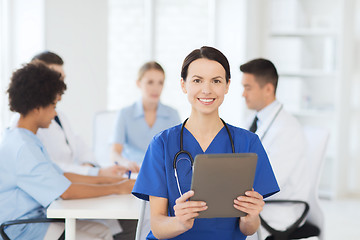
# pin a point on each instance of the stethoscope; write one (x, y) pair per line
(182, 151)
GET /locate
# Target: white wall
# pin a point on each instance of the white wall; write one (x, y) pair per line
(4, 63)
(77, 31)
(352, 171)
(22, 36)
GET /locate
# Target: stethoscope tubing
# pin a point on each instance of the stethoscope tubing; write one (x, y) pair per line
(182, 151)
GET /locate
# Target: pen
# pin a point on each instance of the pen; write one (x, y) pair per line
(129, 172)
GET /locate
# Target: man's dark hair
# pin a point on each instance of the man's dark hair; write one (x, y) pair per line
(32, 86)
(48, 58)
(263, 70)
(208, 53)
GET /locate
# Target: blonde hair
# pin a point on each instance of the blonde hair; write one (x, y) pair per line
(148, 66)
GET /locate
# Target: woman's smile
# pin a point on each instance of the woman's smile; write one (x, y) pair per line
(206, 101)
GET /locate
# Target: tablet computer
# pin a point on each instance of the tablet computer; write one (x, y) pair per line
(220, 178)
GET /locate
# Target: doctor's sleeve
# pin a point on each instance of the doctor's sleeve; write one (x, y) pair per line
(265, 182)
(151, 180)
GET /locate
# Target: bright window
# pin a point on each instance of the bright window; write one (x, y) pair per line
(3, 62)
(166, 31)
(21, 37)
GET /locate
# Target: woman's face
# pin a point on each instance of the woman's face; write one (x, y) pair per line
(151, 85)
(205, 85)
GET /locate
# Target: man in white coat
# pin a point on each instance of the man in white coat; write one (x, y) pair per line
(282, 137)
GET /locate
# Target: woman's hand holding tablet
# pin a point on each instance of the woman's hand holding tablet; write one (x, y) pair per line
(186, 211)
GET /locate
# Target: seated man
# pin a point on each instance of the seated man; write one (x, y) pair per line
(30, 181)
(65, 148)
(282, 136)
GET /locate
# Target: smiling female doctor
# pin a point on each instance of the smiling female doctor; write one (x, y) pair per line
(205, 78)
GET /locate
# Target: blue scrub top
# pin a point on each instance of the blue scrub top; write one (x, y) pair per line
(29, 183)
(132, 131)
(156, 177)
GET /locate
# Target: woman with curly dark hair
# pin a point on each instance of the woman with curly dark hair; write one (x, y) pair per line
(35, 88)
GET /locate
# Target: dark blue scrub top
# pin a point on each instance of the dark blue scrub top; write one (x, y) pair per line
(156, 177)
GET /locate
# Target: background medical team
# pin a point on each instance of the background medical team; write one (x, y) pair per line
(30, 181)
(65, 147)
(205, 79)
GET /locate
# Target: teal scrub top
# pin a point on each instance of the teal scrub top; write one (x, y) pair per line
(156, 177)
(29, 183)
(132, 131)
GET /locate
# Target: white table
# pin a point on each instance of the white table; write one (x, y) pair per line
(124, 206)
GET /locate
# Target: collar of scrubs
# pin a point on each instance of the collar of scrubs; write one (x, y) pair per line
(28, 133)
(139, 110)
(266, 115)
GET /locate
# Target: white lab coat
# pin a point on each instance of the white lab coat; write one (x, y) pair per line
(68, 157)
(285, 144)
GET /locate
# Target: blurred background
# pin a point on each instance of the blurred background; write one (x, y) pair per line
(314, 44)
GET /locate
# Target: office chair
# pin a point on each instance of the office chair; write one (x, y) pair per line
(317, 139)
(25, 221)
(103, 127)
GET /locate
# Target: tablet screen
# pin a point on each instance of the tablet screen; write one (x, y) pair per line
(220, 178)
